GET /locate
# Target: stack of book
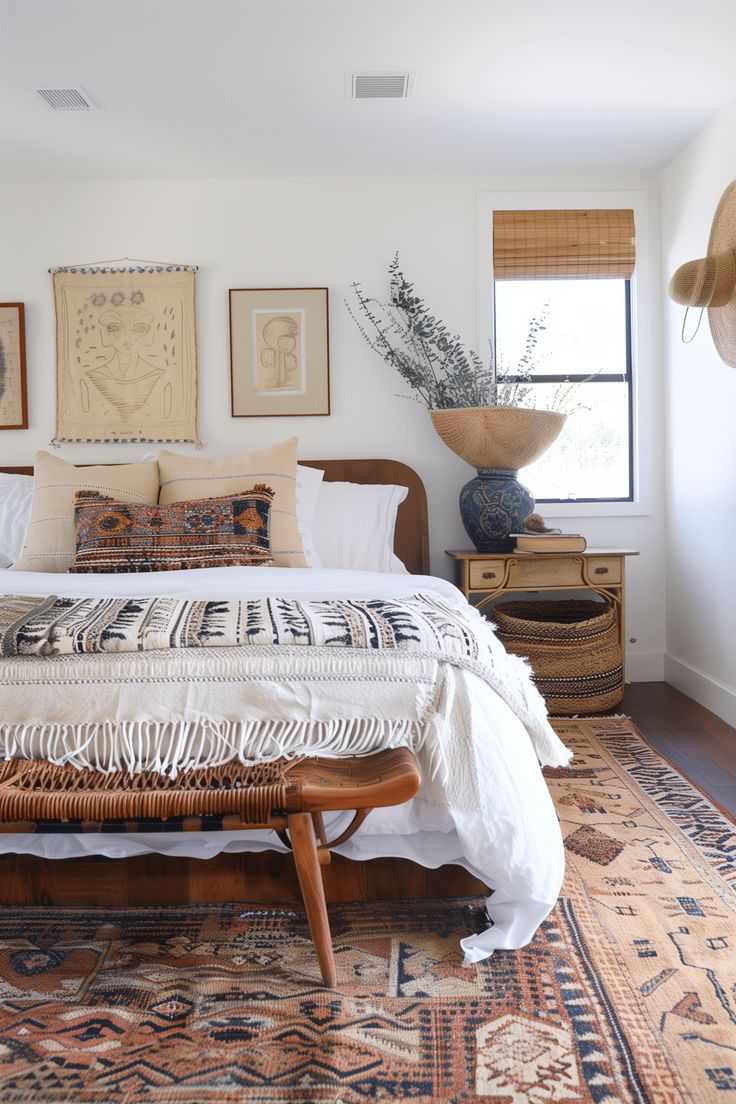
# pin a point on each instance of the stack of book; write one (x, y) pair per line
(549, 542)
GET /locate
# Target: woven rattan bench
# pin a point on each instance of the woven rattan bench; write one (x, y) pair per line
(287, 796)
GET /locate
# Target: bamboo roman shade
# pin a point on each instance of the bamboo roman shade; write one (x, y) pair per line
(545, 245)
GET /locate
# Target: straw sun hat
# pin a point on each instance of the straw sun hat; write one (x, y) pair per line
(711, 281)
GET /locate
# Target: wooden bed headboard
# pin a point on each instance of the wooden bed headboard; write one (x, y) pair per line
(411, 541)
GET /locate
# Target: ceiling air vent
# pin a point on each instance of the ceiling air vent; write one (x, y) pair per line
(381, 86)
(66, 99)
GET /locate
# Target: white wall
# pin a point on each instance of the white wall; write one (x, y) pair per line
(700, 413)
(302, 232)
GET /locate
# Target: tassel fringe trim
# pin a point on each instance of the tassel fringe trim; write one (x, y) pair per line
(170, 747)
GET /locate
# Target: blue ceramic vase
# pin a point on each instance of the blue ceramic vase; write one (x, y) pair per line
(493, 504)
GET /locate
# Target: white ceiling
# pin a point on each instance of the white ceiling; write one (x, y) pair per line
(200, 88)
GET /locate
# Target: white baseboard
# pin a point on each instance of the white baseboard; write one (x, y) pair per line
(644, 667)
(714, 695)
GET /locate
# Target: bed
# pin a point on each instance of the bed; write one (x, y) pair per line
(484, 806)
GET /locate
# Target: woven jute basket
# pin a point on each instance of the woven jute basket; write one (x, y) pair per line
(573, 648)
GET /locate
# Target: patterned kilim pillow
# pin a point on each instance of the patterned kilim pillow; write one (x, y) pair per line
(210, 532)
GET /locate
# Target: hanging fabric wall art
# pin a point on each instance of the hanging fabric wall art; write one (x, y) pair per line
(126, 353)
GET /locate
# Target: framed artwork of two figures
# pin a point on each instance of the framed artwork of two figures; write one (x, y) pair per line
(279, 354)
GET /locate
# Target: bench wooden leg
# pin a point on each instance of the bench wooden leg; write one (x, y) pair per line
(319, 827)
(304, 844)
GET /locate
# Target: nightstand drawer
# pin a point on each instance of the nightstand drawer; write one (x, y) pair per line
(486, 574)
(551, 571)
(546, 571)
(605, 569)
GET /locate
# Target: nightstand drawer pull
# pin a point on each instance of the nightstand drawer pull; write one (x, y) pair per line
(489, 574)
(600, 570)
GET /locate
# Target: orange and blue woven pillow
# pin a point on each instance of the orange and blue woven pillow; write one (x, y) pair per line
(232, 531)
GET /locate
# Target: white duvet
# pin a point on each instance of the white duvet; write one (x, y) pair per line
(507, 835)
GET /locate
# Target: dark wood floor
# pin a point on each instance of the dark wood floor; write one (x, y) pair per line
(694, 739)
(700, 744)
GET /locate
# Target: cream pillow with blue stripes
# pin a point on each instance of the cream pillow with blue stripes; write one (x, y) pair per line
(51, 538)
(191, 477)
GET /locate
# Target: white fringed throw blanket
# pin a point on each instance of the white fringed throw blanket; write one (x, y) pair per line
(169, 684)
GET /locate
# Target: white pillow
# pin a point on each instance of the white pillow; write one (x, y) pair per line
(354, 526)
(308, 486)
(16, 496)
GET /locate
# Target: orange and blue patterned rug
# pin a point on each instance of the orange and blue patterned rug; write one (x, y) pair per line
(626, 994)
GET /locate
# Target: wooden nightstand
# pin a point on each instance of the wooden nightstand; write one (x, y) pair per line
(485, 576)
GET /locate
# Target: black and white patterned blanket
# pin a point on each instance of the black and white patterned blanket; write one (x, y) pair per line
(67, 626)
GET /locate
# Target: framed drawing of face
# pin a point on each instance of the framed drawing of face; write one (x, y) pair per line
(13, 396)
(279, 351)
(126, 353)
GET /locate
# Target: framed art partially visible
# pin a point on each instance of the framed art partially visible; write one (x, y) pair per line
(279, 351)
(13, 396)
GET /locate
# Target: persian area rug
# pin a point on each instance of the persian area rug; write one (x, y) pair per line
(626, 994)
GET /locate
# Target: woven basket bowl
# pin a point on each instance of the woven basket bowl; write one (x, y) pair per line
(498, 436)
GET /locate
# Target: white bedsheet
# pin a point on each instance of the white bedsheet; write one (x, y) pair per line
(510, 839)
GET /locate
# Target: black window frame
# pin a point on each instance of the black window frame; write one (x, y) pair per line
(626, 377)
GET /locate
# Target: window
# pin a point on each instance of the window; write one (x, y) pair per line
(563, 332)
(579, 360)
